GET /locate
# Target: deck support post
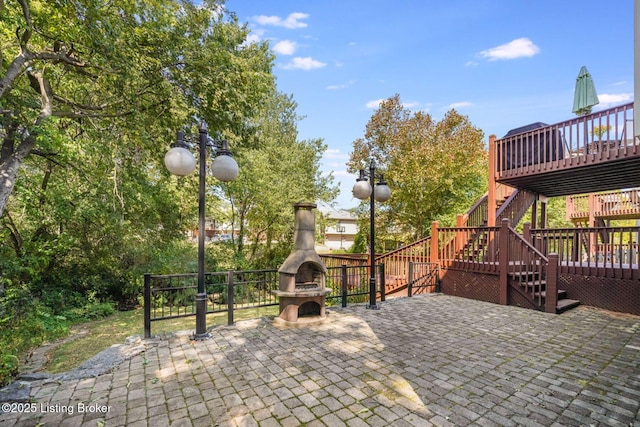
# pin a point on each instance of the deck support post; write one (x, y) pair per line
(503, 262)
(460, 235)
(543, 211)
(491, 194)
(526, 232)
(433, 251)
(551, 289)
(593, 237)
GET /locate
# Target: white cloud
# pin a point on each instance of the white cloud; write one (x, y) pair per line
(411, 104)
(306, 63)
(518, 48)
(255, 36)
(292, 21)
(471, 64)
(335, 153)
(607, 99)
(252, 38)
(341, 86)
(460, 104)
(285, 47)
(339, 173)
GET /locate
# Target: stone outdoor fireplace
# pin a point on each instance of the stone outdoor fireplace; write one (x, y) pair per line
(302, 288)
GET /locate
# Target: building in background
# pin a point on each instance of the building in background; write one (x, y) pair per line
(341, 231)
(214, 231)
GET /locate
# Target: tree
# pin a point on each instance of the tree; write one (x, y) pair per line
(81, 72)
(87, 90)
(435, 169)
(277, 171)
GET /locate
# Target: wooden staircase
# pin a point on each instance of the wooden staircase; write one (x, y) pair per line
(478, 248)
(513, 206)
(533, 287)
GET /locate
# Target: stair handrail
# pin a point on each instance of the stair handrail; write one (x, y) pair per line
(403, 248)
(479, 208)
(396, 262)
(528, 268)
(515, 206)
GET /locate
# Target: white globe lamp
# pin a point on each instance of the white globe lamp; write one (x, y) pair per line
(179, 161)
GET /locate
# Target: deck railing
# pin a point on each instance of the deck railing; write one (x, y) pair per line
(469, 248)
(337, 260)
(502, 251)
(396, 262)
(569, 142)
(607, 204)
(612, 252)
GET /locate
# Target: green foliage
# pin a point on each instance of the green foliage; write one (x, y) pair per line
(9, 365)
(435, 169)
(91, 310)
(360, 241)
(276, 170)
(86, 204)
(24, 323)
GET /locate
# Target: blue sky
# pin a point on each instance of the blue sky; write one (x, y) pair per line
(503, 63)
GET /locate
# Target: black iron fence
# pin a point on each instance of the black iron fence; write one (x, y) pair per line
(173, 296)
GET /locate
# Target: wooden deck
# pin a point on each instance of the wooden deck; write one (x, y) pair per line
(592, 153)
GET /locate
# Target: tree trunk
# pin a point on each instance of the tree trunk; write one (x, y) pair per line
(9, 167)
(12, 155)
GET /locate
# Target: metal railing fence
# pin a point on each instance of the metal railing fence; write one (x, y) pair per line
(172, 296)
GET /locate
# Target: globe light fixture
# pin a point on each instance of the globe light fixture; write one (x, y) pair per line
(179, 161)
(381, 193)
(224, 167)
(362, 188)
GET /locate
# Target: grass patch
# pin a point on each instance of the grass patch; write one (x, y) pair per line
(114, 329)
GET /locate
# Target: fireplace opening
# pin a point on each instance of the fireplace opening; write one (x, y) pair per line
(308, 309)
(309, 276)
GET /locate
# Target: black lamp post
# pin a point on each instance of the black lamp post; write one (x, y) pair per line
(340, 229)
(362, 190)
(180, 161)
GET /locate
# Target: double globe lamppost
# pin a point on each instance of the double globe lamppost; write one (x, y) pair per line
(381, 193)
(180, 161)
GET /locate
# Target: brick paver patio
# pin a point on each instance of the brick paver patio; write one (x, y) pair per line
(421, 361)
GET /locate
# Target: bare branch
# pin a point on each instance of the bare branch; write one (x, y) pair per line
(41, 84)
(26, 35)
(61, 56)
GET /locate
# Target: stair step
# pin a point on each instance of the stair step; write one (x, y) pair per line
(535, 284)
(517, 274)
(566, 304)
(562, 294)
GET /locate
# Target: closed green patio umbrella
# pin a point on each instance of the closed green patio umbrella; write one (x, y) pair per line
(585, 95)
